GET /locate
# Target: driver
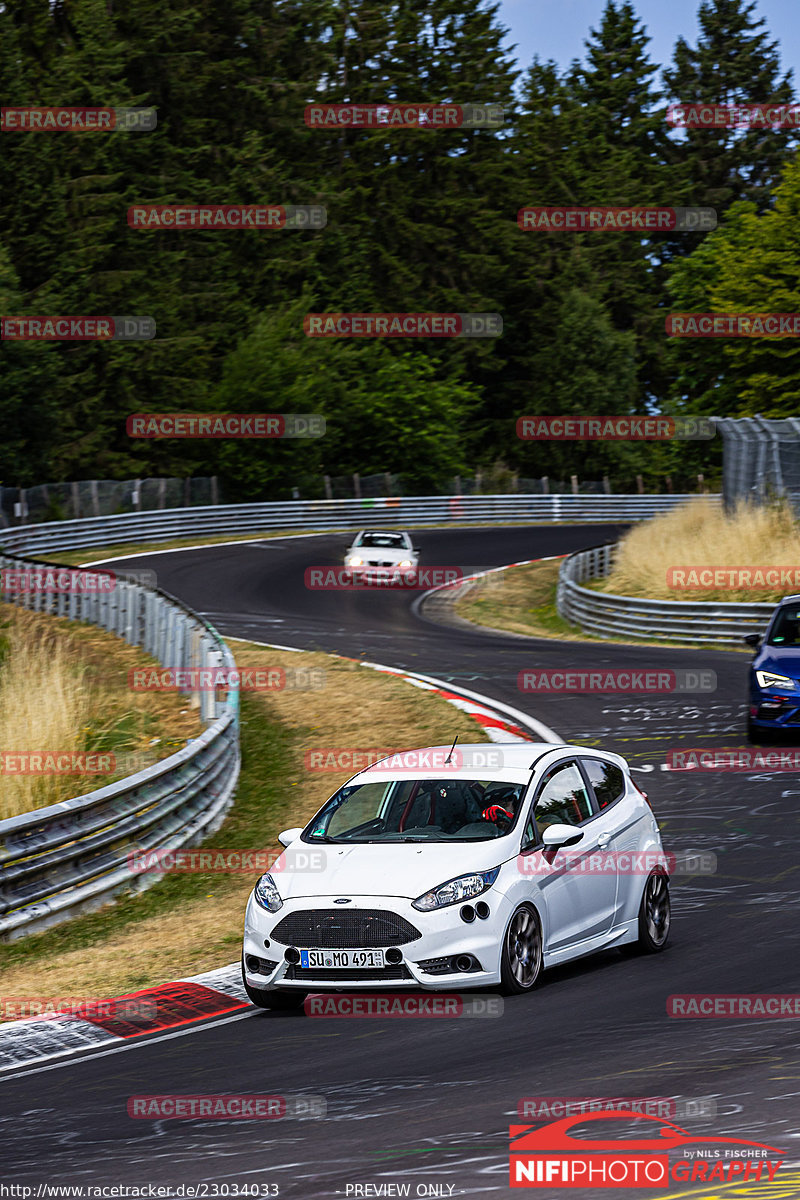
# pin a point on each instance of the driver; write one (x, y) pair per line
(503, 807)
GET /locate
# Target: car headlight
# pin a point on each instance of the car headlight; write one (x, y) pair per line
(405, 564)
(465, 887)
(353, 560)
(267, 894)
(768, 679)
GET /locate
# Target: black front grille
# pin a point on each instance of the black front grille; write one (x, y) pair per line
(361, 929)
(322, 974)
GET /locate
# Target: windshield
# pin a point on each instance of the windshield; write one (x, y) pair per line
(418, 810)
(786, 628)
(395, 540)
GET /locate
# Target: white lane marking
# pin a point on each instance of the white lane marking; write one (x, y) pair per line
(127, 1044)
(284, 537)
(274, 646)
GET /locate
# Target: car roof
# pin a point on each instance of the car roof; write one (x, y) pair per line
(403, 531)
(518, 759)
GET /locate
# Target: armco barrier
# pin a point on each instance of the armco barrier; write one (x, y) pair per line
(607, 615)
(407, 511)
(72, 857)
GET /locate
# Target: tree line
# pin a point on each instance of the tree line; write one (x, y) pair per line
(417, 221)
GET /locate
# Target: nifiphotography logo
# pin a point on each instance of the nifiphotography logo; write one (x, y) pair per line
(553, 1156)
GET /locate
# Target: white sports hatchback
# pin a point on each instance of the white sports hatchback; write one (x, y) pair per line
(459, 876)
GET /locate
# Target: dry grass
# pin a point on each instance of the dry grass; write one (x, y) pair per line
(64, 689)
(518, 600)
(701, 534)
(193, 923)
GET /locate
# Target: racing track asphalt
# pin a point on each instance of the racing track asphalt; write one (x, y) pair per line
(429, 1101)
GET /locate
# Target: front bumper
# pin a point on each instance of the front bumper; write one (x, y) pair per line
(443, 936)
(774, 709)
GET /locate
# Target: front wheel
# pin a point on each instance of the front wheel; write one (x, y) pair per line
(277, 1001)
(655, 914)
(521, 958)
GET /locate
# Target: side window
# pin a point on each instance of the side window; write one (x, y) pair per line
(606, 778)
(563, 800)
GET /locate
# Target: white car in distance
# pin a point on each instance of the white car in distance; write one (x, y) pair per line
(381, 552)
(460, 876)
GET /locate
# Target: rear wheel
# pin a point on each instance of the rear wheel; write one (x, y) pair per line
(655, 914)
(521, 958)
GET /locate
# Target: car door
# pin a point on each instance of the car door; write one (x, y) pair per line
(579, 899)
(620, 824)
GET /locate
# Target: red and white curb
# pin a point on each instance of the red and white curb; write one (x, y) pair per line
(99, 1025)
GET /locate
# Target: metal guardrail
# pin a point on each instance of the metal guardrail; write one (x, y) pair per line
(608, 615)
(237, 519)
(72, 857)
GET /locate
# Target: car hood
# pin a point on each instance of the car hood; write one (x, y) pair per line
(405, 869)
(784, 660)
(391, 554)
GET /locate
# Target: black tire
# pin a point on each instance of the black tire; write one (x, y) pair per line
(277, 1001)
(521, 956)
(758, 736)
(655, 914)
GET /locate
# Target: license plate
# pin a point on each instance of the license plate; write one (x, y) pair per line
(341, 958)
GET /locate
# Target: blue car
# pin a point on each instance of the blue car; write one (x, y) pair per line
(775, 673)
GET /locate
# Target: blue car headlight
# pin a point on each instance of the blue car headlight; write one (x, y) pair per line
(267, 894)
(768, 679)
(464, 887)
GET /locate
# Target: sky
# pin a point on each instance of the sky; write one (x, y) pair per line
(558, 28)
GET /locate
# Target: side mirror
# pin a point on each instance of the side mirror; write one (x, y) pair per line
(288, 836)
(752, 639)
(556, 836)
